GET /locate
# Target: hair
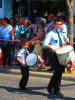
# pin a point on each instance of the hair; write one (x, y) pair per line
(7, 20)
(25, 41)
(57, 20)
(42, 23)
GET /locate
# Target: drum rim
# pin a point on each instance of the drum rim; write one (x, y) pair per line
(36, 61)
(65, 52)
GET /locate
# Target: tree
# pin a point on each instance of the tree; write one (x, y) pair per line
(70, 19)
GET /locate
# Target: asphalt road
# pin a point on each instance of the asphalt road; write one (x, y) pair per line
(9, 89)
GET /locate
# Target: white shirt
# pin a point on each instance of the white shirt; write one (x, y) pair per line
(22, 54)
(5, 35)
(52, 39)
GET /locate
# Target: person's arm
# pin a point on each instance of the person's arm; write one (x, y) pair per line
(20, 61)
(12, 36)
(46, 43)
(51, 48)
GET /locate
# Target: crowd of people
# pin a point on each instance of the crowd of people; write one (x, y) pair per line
(44, 37)
(15, 30)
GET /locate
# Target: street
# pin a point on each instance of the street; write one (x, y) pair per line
(9, 89)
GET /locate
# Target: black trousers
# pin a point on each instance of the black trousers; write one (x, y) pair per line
(6, 49)
(25, 76)
(58, 69)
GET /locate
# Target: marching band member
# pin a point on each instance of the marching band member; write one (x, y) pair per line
(53, 41)
(21, 56)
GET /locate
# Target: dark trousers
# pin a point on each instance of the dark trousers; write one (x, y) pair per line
(6, 49)
(25, 76)
(46, 56)
(55, 82)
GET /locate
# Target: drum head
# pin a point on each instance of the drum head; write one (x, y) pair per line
(65, 49)
(31, 60)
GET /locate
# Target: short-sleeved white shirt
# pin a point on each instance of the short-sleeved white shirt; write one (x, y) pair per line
(22, 54)
(5, 33)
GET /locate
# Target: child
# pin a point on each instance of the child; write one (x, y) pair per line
(21, 56)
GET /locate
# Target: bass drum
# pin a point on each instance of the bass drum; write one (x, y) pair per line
(32, 59)
(65, 54)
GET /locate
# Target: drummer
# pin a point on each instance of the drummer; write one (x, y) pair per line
(21, 56)
(53, 41)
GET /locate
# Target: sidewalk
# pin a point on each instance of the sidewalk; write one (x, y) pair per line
(37, 72)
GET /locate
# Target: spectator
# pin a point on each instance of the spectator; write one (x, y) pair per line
(7, 36)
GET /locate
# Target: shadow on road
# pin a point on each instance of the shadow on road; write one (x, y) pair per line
(34, 91)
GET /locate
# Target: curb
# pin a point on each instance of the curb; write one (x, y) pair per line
(67, 77)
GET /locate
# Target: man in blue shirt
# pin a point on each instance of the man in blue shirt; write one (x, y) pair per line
(53, 41)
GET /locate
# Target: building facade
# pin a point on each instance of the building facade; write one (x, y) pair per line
(31, 8)
(5, 8)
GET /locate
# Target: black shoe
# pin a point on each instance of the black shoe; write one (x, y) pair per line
(23, 88)
(58, 94)
(50, 91)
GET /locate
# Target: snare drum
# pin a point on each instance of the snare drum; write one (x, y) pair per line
(65, 54)
(32, 59)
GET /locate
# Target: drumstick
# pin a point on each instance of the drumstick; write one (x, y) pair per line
(70, 43)
(34, 42)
